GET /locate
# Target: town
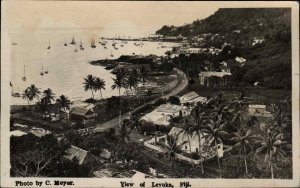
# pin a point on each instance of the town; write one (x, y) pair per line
(207, 108)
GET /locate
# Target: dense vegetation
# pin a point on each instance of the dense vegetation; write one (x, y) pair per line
(268, 63)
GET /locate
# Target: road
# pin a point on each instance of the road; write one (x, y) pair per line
(183, 83)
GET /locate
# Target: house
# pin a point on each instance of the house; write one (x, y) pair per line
(173, 110)
(240, 60)
(162, 114)
(193, 140)
(191, 97)
(80, 155)
(105, 154)
(190, 50)
(257, 40)
(258, 110)
(17, 133)
(208, 78)
(82, 114)
(39, 132)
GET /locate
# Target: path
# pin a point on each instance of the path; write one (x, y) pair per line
(183, 83)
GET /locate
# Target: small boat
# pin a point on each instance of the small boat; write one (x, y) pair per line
(116, 48)
(73, 41)
(105, 47)
(24, 77)
(81, 47)
(122, 45)
(133, 53)
(49, 47)
(17, 94)
(136, 44)
(42, 72)
(76, 50)
(65, 43)
(46, 71)
(93, 44)
(14, 43)
(111, 54)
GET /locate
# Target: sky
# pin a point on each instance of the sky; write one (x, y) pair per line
(114, 18)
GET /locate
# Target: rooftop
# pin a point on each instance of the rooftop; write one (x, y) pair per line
(213, 73)
(76, 153)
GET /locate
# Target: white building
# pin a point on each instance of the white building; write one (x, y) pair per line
(258, 110)
(162, 114)
(192, 97)
(190, 50)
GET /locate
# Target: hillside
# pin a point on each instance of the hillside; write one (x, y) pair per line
(269, 62)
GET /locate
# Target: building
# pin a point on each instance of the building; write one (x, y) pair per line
(258, 110)
(190, 50)
(257, 40)
(163, 114)
(17, 133)
(82, 114)
(240, 60)
(212, 78)
(192, 97)
(80, 155)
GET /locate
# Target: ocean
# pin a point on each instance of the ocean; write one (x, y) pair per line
(66, 68)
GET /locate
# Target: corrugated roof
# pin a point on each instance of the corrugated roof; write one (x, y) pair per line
(182, 137)
(212, 73)
(189, 96)
(80, 111)
(75, 152)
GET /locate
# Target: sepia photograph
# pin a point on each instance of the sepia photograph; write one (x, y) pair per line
(153, 91)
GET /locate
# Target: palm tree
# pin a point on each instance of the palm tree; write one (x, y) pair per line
(34, 92)
(243, 139)
(173, 146)
(119, 82)
(214, 133)
(89, 84)
(27, 96)
(239, 116)
(200, 121)
(48, 95)
(188, 131)
(132, 81)
(144, 74)
(99, 85)
(271, 143)
(64, 103)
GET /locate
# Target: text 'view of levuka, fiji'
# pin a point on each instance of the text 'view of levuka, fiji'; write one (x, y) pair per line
(208, 97)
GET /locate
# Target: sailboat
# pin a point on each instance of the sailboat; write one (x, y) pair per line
(111, 54)
(73, 41)
(93, 44)
(24, 77)
(17, 94)
(81, 47)
(42, 72)
(49, 47)
(46, 71)
(65, 43)
(76, 50)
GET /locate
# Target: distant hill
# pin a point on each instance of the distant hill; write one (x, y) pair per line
(270, 62)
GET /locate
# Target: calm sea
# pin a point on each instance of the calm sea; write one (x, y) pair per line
(66, 67)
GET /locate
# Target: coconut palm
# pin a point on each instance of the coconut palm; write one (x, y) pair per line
(99, 85)
(34, 92)
(89, 84)
(188, 131)
(119, 82)
(48, 95)
(27, 96)
(243, 139)
(132, 81)
(173, 146)
(239, 116)
(271, 142)
(214, 131)
(198, 126)
(64, 103)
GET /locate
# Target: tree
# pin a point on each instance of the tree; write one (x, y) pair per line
(27, 96)
(214, 133)
(271, 143)
(99, 85)
(243, 139)
(119, 82)
(174, 100)
(132, 81)
(124, 133)
(34, 92)
(173, 146)
(89, 84)
(63, 103)
(48, 95)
